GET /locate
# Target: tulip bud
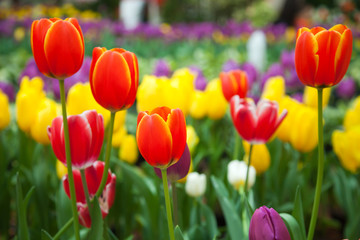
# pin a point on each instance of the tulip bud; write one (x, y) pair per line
(5, 111)
(192, 138)
(195, 184)
(266, 224)
(236, 174)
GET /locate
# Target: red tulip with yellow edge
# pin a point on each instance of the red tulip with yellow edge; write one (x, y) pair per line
(234, 83)
(114, 78)
(161, 136)
(322, 56)
(58, 46)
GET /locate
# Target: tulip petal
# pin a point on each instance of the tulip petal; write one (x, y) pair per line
(140, 116)
(245, 122)
(339, 28)
(177, 126)
(96, 123)
(154, 140)
(64, 54)
(79, 190)
(54, 133)
(228, 85)
(267, 116)
(162, 112)
(343, 55)
(97, 52)
(132, 62)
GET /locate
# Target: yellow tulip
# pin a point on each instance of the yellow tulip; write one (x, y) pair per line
(352, 116)
(118, 136)
(119, 120)
(28, 100)
(346, 147)
(198, 105)
(216, 103)
(303, 129)
(46, 112)
(310, 96)
(274, 89)
(260, 157)
(61, 170)
(185, 74)
(128, 151)
(192, 138)
(285, 128)
(5, 111)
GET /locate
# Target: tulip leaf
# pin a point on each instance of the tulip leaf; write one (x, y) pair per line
(210, 220)
(96, 231)
(45, 235)
(298, 212)
(231, 217)
(178, 233)
(292, 226)
(28, 196)
(23, 232)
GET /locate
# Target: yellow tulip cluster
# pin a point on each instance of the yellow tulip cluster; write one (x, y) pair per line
(34, 111)
(5, 111)
(179, 92)
(346, 143)
(260, 157)
(300, 124)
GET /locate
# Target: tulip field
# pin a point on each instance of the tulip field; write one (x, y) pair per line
(186, 131)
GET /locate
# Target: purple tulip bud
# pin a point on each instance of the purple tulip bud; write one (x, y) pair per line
(230, 65)
(162, 69)
(8, 89)
(346, 88)
(200, 80)
(180, 169)
(266, 224)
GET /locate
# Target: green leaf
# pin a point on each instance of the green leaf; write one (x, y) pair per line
(298, 212)
(45, 235)
(292, 226)
(178, 233)
(232, 218)
(96, 231)
(28, 196)
(210, 220)
(23, 232)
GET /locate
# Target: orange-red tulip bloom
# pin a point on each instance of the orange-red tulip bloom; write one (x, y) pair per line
(161, 136)
(322, 56)
(234, 83)
(255, 124)
(58, 46)
(114, 78)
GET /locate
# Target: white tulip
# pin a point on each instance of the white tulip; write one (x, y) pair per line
(195, 184)
(237, 174)
(256, 49)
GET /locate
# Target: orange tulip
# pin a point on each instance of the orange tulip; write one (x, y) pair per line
(114, 78)
(57, 46)
(234, 83)
(322, 56)
(161, 136)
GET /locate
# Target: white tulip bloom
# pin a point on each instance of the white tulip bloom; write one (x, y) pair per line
(195, 184)
(236, 174)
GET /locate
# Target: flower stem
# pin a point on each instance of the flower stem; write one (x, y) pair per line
(320, 171)
(68, 161)
(63, 229)
(107, 155)
(247, 171)
(236, 146)
(86, 189)
(175, 203)
(167, 203)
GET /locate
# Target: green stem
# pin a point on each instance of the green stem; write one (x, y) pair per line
(86, 189)
(236, 146)
(107, 155)
(68, 161)
(175, 203)
(247, 171)
(63, 229)
(167, 203)
(320, 171)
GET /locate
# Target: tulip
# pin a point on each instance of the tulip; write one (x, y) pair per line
(58, 46)
(61, 170)
(93, 175)
(346, 148)
(260, 157)
(161, 136)
(192, 138)
(255, 124)
(5, 111)
(195, 185)
(236, 174)
(86, 137)
(274, 89)
(128, 151)
(352, 115)
(199, 105)
(346, 89)
(233, 83)
(162, 68)
(323, 56)
(178, 170)
(216, 102)
(266, 224)
(310, 97)
(114, 78)
(8, 90)
(118, 136)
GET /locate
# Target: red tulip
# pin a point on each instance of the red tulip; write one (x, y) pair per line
(93, 175)
(57, 46)
(255, 124)
(161, 136)
(234, 83)
(114, 78)
(322, 56)
(86, 133)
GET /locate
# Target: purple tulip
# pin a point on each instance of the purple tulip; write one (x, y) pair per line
(346, 88)
(200, 80)
(8, 89)
(180, 169)
(230, 65)
(288, 59)
(266, 224)
(162, 68)
(250, 71)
